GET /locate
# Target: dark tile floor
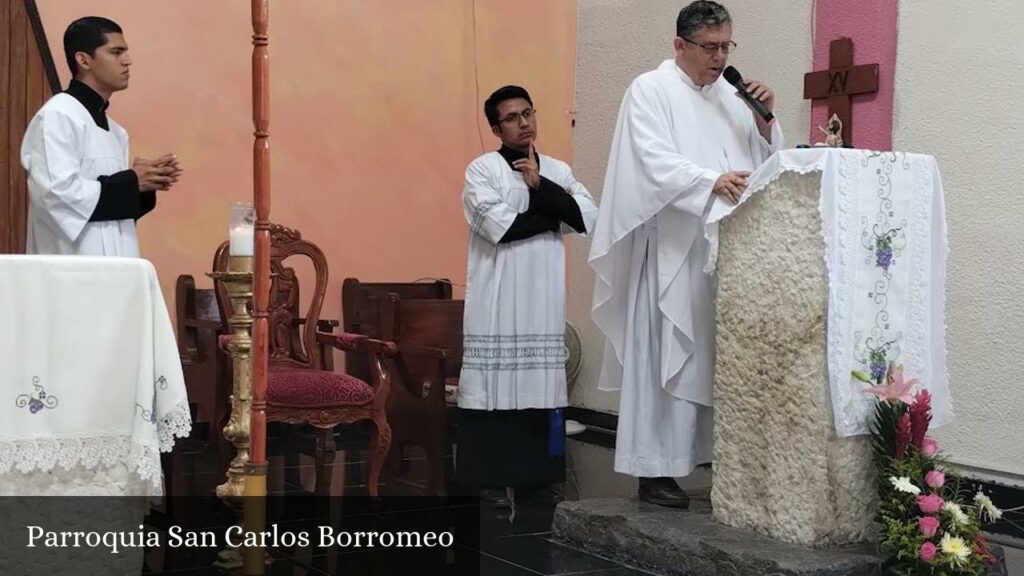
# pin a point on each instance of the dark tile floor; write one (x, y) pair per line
(520, 545)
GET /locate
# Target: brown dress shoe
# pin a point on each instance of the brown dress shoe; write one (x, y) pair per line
(663, 492)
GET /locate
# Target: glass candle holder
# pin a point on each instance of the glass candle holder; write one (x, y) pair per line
(242, 230)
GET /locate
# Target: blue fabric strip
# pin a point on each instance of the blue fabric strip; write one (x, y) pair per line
(556, 440)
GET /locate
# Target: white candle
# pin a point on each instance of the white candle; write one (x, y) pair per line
(241, 241)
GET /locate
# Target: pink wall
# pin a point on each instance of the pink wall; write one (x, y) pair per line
(375, 113)
(872, 26)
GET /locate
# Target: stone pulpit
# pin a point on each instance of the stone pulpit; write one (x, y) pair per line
(832, 261)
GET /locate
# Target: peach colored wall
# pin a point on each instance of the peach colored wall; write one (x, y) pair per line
(375, 113)
(871, 24)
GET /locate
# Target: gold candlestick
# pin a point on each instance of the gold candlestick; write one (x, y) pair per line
(238, 283)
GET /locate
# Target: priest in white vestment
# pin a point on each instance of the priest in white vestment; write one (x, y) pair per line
(683, 138)
(84, 195)
(512, 389)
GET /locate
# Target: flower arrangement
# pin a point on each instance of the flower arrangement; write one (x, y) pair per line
(930, 525)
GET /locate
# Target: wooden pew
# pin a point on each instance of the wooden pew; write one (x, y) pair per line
(361, 309)
(363, 312)
(428, 334)
(207, 372)
(206, 368)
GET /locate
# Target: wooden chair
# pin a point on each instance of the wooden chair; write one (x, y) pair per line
(428, 335)
(302, 388)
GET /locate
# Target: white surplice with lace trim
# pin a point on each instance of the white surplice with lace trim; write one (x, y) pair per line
(92, 386)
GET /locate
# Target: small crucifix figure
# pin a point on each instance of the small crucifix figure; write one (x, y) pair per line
(841, 81)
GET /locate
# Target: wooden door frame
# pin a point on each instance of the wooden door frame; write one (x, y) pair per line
(30, 84)
(43, 46)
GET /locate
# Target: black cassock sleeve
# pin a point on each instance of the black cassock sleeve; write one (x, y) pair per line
(120, 198)
(554, 200)
(530, 223)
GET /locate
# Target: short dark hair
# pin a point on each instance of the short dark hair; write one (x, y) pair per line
(86, 35)
(698, 14)
(499, 96)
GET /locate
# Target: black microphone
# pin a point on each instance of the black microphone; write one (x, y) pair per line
(732, 76)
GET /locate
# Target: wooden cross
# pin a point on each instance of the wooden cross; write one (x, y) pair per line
(841, 81)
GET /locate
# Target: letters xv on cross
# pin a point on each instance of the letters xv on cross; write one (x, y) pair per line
(841, 81)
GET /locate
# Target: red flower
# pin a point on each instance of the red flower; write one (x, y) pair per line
(986, 556)
(902, 436)
(920, 417)
(981, 549)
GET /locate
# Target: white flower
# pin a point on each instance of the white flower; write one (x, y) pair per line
(955, 548)
(988, 509)
(956, 512)
(903, 484)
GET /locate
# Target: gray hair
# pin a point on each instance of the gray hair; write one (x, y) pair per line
(698, 14)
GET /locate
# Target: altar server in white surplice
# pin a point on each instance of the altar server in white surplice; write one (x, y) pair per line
(683, 138)
(84, 195)
(512, 389)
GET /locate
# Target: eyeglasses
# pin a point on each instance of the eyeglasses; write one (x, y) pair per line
(710, 49)
(513, 118)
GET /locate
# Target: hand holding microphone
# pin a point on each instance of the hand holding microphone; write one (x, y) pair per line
(757, 95)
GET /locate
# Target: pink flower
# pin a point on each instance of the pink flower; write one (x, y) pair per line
(935, 479)
(897, 390)
(927, 551)
(929, 525)
(929, 504)
(929, 448)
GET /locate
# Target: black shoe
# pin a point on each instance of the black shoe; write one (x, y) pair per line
(663, 492)
(544, 494)
(495, 497)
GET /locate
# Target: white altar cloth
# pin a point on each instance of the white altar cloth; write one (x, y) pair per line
(91, 386)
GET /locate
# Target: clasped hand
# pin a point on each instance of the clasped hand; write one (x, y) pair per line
(159, 174)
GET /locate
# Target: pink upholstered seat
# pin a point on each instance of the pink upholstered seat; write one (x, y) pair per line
(299, 388)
